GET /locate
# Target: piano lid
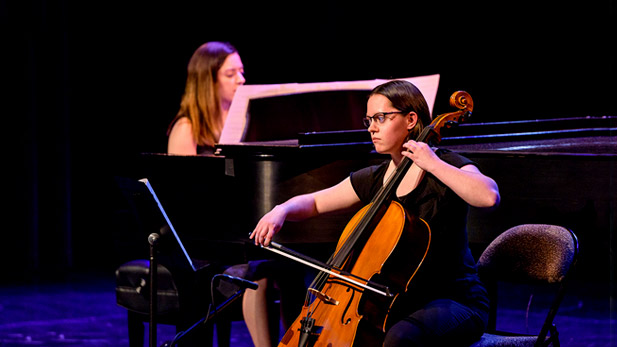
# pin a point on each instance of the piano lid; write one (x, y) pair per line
(277, 113)
(557, 136)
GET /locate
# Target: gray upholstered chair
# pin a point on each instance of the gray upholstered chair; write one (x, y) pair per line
(529, 254)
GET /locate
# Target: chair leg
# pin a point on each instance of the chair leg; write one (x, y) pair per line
(136, 330)
(274, 321)
(554, 336)
(223, 332)
(552, 339)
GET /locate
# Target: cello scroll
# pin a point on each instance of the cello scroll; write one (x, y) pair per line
(459, 99)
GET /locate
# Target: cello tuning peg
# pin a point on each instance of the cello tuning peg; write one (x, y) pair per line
(451, 124)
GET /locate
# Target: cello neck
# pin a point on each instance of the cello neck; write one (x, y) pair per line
(386, 193)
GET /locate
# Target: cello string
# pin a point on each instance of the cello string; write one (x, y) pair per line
(378, 201)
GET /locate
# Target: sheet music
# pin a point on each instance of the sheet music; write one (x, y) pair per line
(237, 119)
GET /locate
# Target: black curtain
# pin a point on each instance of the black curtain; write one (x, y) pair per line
(88, 86)
(37, 111)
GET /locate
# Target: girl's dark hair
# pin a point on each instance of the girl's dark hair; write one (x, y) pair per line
(406, 97)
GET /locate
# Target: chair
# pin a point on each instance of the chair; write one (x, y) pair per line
(534, 255)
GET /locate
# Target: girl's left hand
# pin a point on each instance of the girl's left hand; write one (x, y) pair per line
(421, 154)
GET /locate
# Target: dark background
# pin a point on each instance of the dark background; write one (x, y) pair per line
(88, 85)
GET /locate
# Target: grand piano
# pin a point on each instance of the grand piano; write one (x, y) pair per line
(284, 140)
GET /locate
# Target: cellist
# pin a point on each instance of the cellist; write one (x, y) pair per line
(446, 304)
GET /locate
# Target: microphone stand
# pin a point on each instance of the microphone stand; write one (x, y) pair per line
(153, 241)
(211, 315)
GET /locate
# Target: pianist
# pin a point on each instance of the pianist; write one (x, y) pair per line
(447, 304)
(214, 73)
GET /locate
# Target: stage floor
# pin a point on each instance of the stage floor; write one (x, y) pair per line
(82, 311)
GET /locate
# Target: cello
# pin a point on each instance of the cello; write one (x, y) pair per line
(353, 299)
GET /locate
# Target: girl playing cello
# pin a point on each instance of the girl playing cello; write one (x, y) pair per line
(447, 304)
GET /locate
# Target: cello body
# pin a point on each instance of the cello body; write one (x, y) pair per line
(392, 254)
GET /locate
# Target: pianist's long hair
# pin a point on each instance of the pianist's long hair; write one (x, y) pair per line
(200, 102)
(406, 97)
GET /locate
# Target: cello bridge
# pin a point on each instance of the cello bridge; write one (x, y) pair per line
(323, 297)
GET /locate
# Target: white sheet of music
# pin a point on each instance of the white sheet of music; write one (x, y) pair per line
(237, 119)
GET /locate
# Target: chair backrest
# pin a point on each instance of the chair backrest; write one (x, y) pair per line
(530, 253)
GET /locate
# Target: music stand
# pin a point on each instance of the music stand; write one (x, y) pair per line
(148, 206)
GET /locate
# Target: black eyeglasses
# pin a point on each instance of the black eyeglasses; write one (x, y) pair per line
(379, 116)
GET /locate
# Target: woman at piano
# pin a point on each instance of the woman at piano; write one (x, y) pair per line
(214, 73)
(447, 304)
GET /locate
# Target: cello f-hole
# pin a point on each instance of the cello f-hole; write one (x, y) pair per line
(343, 321)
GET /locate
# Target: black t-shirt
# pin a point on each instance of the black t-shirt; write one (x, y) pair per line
(449, 270)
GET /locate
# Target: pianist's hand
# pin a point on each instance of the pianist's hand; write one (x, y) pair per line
(268, 225)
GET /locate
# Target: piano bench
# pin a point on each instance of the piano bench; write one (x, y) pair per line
(132, 288)
(133, 294)
(133, 291)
